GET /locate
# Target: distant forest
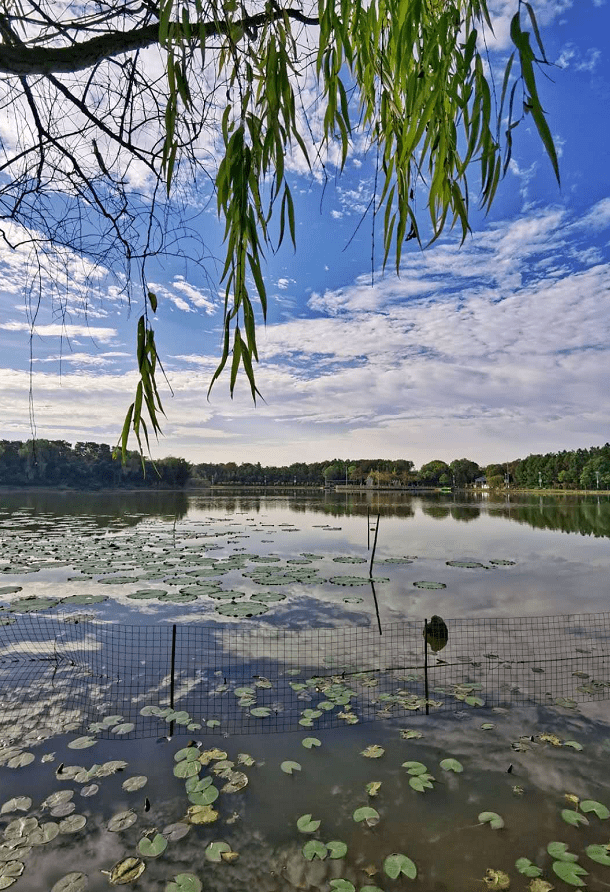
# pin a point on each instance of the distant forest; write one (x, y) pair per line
(92, 466)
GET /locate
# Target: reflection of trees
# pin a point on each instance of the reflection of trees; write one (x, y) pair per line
(465, 512)
(98, 507)
(589, 517)
(438, 511)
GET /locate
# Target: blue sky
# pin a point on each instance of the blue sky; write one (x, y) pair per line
(492, 351)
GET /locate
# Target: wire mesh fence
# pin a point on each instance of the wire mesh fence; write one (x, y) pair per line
(196, 679)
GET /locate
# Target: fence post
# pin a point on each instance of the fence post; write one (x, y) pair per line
(172, 677)
(426, 665)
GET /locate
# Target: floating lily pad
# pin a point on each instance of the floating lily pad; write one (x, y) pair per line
(309, 742)
(18, 803)
(242, 610)
(10, 589)
(598, 853)
(452, 765)
(471, 565)
(176, 831)
(349, 559)
(177, 597)
(289, 767)
(134, 783)
(184, 882)
(573, 817)
(374, 751)
(501, 562)
(349, 580)
(215, 850)
(202, 814)
(429, 585)
(268, 597)
(21, 760)
(45, 833)
(82, 743)
(525, 866)
(307, 824)
(74, 823)
(152, 848)
(126, 871)
(353, 600)
(570, 872)
(71, 882)
(123, 728)
(315, 849)
(492, 818)
(122, 821)
(82, 600)
(590, 805)
(396, 864)
(146, 594)
(365, 813)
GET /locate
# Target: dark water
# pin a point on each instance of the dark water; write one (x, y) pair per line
(559, 563)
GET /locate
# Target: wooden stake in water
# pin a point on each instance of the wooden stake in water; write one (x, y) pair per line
(172, 674)
(368, 529)
(374, 547)
(426, 665)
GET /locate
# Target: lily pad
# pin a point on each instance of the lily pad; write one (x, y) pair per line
(342, 885)
(492, 818)
(415, 768)
(396, 864)
(573, 817)
(452, 765)
(590, 805)
(289, 767)
(374, 751)
(122, 821)
(135, 783)
(598, 853)
(202, 814)
(152, 848)
(559, 851)
(421, 782)
(17, 803)
(429, 585)
(242, 609)
(315, 849)
(126, 871)
(74, 823)
(184, 882)
(336, 849)
(71, 882)
(215, 851)
(82, 743)
(570, 872)
(367, 814)
(310, 742)
(525, 866)
(307, 824)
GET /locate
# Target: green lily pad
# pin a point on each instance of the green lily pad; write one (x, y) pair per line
(574, 744)
(336, 849)
(307, 824)
(289, 767)
(415, 768)
(570, 872)
(268, 597)
(21, 760)
(47, 832)
(492, 818)
(260, 712)
(184, 882)
(226, 594)
(10, 589)
(599, 853)
(17, 803)
(422, 583)
(452, 765)
(367, 814)
(421, 782)
(152, 848)
(310, 742)
(471, 565)
(590, 805)
(146, 594)
(573, 817)
(204, 797)
(122, 821)
(342, 885)
(82, 600)
(71, 882)
(82, 743)
(123, 728)
(134, 783)
(215, 850)
(396, 864)
(73, 824)
(187, 768)
(525, 866)
(315, 849)
(242, 609)
(559, 851)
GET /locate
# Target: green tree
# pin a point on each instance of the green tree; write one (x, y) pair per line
(464, 471)
(90, 114)
(432, 472)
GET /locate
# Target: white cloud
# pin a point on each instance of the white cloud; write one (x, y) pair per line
(59, 330)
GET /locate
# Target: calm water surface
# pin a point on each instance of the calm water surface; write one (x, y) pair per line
(559, 557)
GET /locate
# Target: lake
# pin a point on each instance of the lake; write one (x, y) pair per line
(247, 625)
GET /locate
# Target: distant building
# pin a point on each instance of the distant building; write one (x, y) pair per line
(480, 483)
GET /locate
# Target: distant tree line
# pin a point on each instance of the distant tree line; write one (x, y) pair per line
(92, 466)
(84, 466)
